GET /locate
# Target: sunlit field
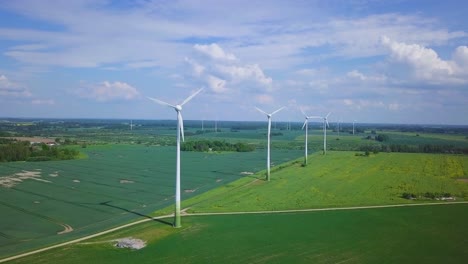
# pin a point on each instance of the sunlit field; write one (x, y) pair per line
(115, 184)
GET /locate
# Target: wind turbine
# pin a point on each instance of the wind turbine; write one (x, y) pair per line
(353, 125)
(268, 136)
(131, 125)
(325, 124)
(306, 125)
(180, 133)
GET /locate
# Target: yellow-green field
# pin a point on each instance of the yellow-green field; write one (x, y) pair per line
(342, 179)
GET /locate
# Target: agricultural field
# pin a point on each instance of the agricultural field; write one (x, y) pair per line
(129, 175)
(433, 233)
(49, 202)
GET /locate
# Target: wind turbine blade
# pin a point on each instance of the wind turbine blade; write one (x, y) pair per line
(304, 124)
(278, 110)
(328, 115)
(181, 124)
(261, 111)
(314, 117)
(190, 97)
(161, 102)
(302, 111)
(326, 121)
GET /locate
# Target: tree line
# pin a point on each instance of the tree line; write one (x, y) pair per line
(206, 145)
(425, 148)
(24, 151)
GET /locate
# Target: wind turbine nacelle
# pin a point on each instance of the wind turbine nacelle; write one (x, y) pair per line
(178, 108)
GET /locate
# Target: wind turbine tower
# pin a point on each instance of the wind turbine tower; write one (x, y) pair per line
(180, 134)
(325, 124)
(306, 125)
(353, 125)
(268, 136)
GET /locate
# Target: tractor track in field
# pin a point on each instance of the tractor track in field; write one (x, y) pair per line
(184, 213)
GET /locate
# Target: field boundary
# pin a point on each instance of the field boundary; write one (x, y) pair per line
(224, 213)
(323, 209)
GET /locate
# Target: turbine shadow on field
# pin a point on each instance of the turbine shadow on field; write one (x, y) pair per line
(136, 213)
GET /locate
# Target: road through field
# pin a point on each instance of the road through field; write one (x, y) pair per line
(223, 213)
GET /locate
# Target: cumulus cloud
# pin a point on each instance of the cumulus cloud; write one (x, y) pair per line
(215, 52)
(424, 64)
(11, 89)
(108, 91)
(224, 74)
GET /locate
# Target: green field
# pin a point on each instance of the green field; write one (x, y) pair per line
(424, 234)
(115, 185)
(432, 233)
(118, 184)
(342, 179)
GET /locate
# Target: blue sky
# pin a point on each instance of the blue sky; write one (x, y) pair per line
(367, 60)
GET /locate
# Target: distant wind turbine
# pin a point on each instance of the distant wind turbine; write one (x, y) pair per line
(325, 124)
(131, 125)
(268, 136)
(353, 125)
(180, 133)
(306, 125)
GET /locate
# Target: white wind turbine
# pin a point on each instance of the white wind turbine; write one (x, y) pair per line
(268, 136)
(180, 133)
(131, 125)
(325, 124)
(306, 125)
(354, 121)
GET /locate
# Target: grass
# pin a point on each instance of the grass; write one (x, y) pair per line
(341, 179)
(425, 234)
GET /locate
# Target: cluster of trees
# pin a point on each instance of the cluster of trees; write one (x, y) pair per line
(379, 137)
(23, 151)
(206, 145)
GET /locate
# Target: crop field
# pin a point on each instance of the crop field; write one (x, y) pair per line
(342, 179)
(430, 233)
(116, 184)
(423, 234)
(57, 201)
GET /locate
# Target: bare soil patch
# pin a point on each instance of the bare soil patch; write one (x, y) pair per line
(126, 181)
(129, 242)
(17, 178)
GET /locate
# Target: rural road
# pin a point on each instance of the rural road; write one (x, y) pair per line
(222, 213)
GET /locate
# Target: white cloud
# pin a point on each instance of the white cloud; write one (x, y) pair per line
(424, 64)
(264, 99)
(215, 52)
(355, 74)
(217, 85)
(197, 69)
(360, 104)
(461, 57)
(107, 91)
(245, 73)
(225, 74)
(11, 89)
